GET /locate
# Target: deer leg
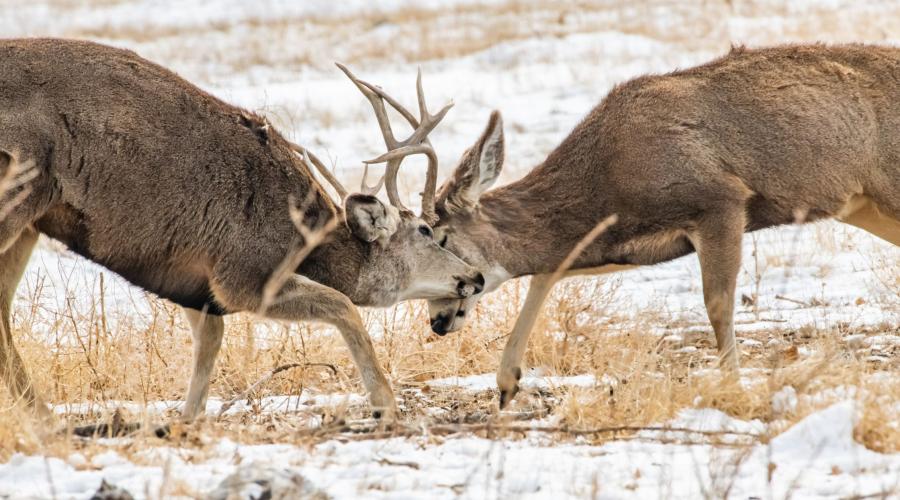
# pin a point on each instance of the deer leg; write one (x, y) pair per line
(718, 244)
(510, 365)
(12, 264)
(302, 299)
(207, 330)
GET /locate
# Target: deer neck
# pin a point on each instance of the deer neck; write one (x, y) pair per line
(534, 223)
(336, 263)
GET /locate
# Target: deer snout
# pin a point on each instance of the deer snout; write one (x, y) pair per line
(441, 324)
(466, 287)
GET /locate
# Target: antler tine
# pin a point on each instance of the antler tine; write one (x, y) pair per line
(412, 120)
(416, 143)
(377, 105)
(364, 186)
(393, 158)
(428, 121)
(387, 133)
(420, 95)
(312, 161)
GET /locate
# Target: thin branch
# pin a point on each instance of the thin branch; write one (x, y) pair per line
(314, 163)
(267, 377)
(788, 299)
(356, 432)
(585, 242)
(17, 176)
(312, 238)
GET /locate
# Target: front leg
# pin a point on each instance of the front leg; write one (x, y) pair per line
(207, 330)
(303, 299)
(511, 365)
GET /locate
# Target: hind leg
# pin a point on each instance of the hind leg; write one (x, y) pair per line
(872, 218)
(21, 187)
(12, 263)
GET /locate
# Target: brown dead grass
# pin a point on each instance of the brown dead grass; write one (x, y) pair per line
(91, 357)
(416, 34)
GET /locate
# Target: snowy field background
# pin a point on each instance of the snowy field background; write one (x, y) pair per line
(544, 65)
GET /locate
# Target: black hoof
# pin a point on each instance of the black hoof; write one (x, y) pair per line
(507, 396)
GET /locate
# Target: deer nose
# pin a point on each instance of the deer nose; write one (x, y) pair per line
(439, 325)
(466, 287)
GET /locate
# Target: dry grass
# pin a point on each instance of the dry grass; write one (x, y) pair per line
(94, 356)
(375, 36)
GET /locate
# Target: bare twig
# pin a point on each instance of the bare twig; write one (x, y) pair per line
(355, 432)
(16, 178)
(265, 378)
(387, 461)
(585, 242)
(312, 238)
(788, 299)
(313, 161)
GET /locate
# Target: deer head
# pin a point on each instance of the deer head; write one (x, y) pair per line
(403, 259)
(461, 228)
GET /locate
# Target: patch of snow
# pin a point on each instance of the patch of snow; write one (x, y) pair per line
(816, 457)
(488, 382)
(784, 401)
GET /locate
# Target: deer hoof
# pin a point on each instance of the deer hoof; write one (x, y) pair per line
(385, 415)
(508, 382)
(384, 407)
(507, 395)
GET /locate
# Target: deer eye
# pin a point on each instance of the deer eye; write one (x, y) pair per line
(426, 231)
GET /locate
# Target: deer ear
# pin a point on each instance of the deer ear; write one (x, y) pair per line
(369, 219)
(477, 170)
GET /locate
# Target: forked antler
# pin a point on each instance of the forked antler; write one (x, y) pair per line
(364, 186)
(312, 161)
(416, 143)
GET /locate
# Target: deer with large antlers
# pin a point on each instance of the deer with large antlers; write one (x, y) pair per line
(199, 202)
(679, 163)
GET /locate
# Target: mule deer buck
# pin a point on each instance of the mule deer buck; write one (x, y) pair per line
(686, 162)
(188, 197)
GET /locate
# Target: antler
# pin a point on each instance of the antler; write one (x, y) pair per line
(312, 161)
(417, 143)
(364, 186)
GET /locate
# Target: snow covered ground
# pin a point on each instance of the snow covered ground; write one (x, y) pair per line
(544, 65)
(816, 458)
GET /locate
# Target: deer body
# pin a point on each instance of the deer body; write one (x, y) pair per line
(190, 198)
(687, 162)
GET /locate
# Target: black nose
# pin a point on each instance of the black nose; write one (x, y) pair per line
(439, 325)
(476, 282)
